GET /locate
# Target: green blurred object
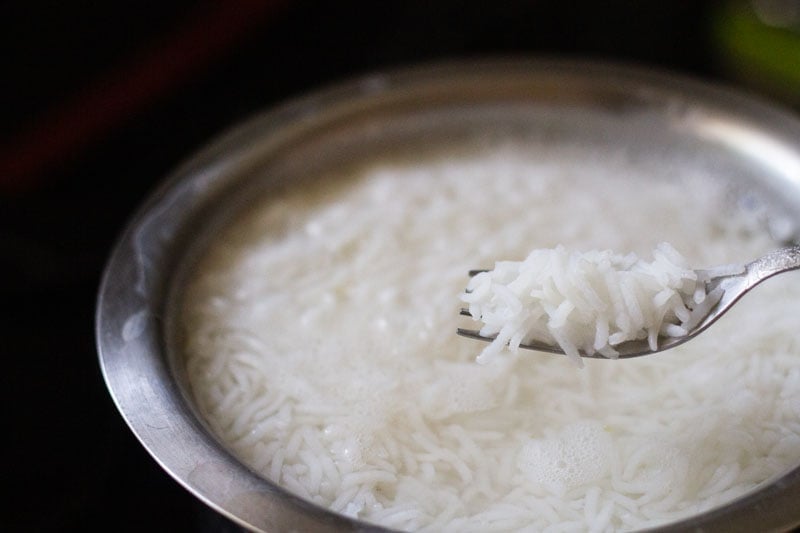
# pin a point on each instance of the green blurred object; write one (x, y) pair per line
(759, 44)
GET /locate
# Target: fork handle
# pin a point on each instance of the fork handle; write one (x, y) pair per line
(775, 262)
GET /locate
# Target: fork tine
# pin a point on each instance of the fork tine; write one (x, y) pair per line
(536, 346)
(472, 334)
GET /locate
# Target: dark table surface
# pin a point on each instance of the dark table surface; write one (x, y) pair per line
(104, 99)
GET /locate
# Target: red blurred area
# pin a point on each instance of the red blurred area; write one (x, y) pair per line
(201, 37)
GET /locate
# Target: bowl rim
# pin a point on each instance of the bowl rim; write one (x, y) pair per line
(130, 299)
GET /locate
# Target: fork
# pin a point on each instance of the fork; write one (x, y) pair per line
(723, 290)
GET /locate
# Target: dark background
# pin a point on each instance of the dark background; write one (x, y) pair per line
(103, 99)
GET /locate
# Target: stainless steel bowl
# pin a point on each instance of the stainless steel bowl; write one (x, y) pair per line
(655, 115)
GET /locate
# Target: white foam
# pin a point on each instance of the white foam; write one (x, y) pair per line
(580, 454)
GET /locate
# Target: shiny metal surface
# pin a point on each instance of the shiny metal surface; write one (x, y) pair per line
(657, 116)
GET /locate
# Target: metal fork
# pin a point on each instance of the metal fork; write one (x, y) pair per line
(728, 290)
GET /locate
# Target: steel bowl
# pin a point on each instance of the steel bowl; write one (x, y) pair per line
(657, 115)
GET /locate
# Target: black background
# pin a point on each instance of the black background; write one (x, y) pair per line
(102, 99)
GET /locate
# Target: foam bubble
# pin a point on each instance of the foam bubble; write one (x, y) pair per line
(579, 454)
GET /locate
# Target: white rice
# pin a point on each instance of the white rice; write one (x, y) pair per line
(589, 302)
(321, 346)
